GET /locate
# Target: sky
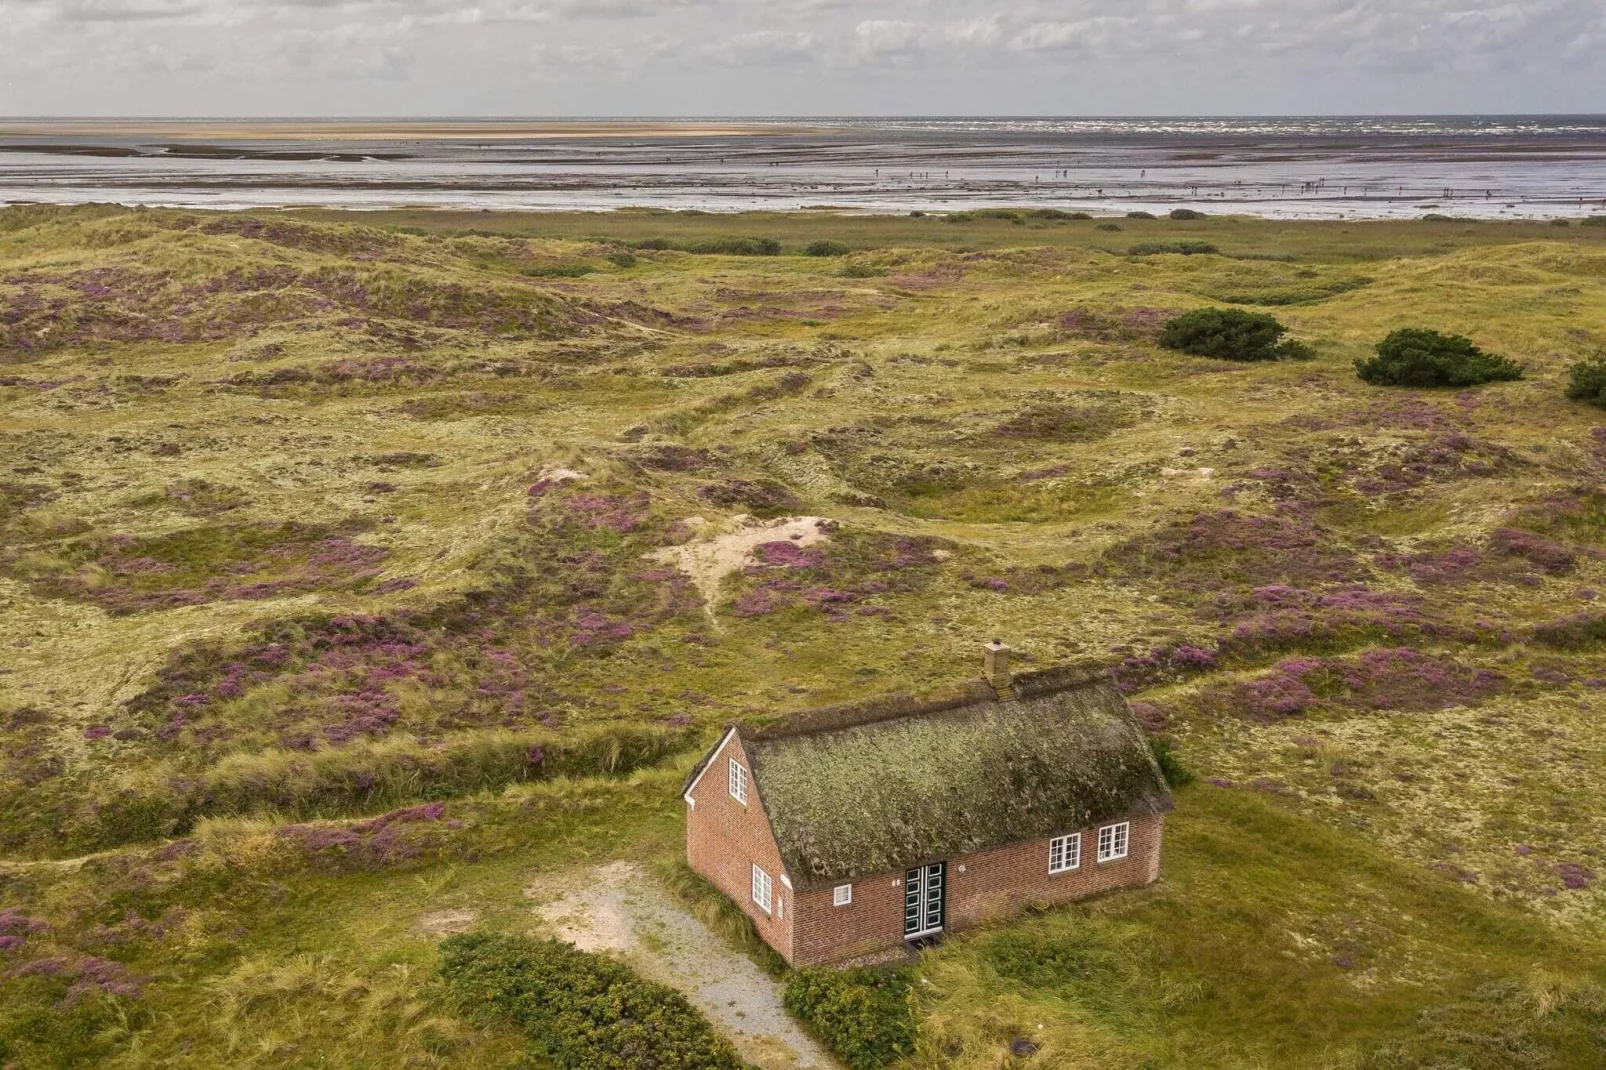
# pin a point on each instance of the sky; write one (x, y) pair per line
(799, 57)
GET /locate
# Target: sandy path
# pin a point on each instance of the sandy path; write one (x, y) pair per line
(617, 908)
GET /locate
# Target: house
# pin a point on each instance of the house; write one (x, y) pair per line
(847, 830)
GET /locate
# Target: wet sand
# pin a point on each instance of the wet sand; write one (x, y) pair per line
(376, 129)
(1314, 168)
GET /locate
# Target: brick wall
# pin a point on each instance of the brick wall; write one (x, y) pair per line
(981, 886)
(724, 839)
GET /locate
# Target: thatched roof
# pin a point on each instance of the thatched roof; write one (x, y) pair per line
(853, 791)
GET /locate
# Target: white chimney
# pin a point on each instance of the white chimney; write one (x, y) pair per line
(995, 660)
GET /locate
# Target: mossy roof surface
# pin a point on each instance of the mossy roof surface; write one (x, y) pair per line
(871, 798)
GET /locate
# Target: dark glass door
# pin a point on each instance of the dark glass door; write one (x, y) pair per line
(925, 899)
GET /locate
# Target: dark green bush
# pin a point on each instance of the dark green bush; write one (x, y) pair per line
(1180, 248)
(622, 259)
(827, 248)
(863, 1015)
(1057, 213)
(1230, 334)
(1176, 774)
(1108, 226)
(1140, 215)
(581, 1011)
(1186, 213)
(1593, 221)
(1589, 381)
(1413, 356)
(737, 247)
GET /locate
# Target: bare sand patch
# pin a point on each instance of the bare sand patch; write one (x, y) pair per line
(730, 547)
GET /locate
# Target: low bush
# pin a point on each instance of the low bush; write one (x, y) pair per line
(1176, 774)
(1593, 221)
(1108, 226)
(1588, 381)
(737, 247)
(1186, 214)
(824, 247)
(1230, 334)
(716, 246)
(863, 1015)
(1140, 215)
(1179, 248)
(1413, 356)
(581, 1011)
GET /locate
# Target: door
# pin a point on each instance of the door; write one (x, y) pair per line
(925, 897)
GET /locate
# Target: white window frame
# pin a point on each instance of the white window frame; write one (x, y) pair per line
(763, 889)
(1065, 853)
(1114, 841)
(842, 895)
(738, 781)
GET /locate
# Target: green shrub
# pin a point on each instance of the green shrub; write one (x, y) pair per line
(1186, 214)
(827, 248)
(737, 247)
(1108, 226)
(1179, 248)
(1437, 217)
(1593, 221)
(658, 244)
(1176, 774)
(581, 1011)
(1057, 213)
(1412, 356)
(1230, 334)
(1140, 215)
(622, 259)
(863, 1015)
(1589, 381)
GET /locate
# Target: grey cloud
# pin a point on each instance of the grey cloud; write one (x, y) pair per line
(767, 56)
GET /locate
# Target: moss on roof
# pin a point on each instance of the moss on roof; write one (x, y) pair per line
(948, 779)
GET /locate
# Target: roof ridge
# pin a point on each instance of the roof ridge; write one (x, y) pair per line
(895, 705)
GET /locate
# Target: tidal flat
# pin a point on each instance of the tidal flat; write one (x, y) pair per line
(340, 590)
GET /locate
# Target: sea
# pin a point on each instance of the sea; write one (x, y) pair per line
(1294, 167)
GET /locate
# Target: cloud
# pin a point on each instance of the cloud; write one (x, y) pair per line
(716, 56)
(763, 47)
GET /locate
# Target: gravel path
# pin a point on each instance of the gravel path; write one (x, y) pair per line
(620, 909)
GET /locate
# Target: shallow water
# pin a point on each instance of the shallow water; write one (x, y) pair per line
(1292, 167)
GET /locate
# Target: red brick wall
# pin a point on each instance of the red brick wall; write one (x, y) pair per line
(724, 839)
(981, 886)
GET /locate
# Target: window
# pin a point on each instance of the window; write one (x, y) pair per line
(738, 782)
(1112, 841)
(842, 895)
(1065, 853)
(761, 888)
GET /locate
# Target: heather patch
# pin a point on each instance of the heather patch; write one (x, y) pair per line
(1212, 551)
(1395, 678)
(356, 243)
(1127, 325)
(1581, 631)
(839, 580)
(574, 587)
(1443, 458)
(125, 574)
(760, 497)
(1281, 617)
